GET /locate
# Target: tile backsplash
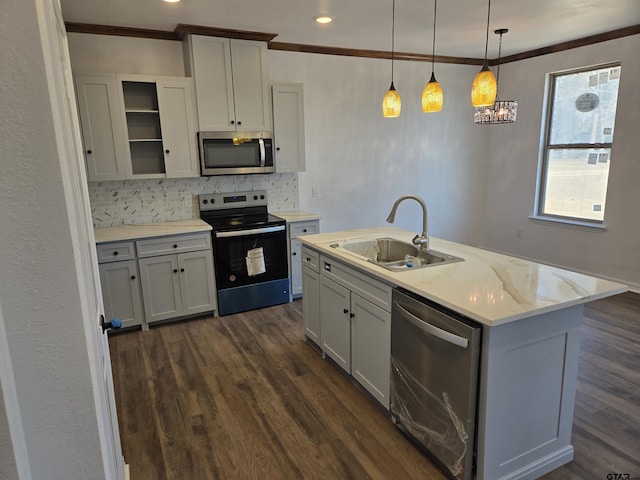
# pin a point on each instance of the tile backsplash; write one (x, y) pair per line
(141, 201)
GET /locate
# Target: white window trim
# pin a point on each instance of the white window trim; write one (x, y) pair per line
(569, 223)
(537, 216)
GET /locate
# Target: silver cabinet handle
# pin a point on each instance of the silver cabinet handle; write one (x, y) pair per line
(262, 152)
(432, 329)
(251, 231)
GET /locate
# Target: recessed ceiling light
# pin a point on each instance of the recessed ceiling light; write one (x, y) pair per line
(172, 1)
(323, 19)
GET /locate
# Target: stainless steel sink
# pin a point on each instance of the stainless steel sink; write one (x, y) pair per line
(395, 255)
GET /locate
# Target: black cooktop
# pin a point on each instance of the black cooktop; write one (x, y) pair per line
(241, 220)
(237, 210)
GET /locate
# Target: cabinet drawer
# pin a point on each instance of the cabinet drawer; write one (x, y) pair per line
(310, 259)
(303, 228)
(115, 252)
(373, 290)
(174, 244)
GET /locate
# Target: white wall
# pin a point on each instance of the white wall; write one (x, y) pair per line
(46, 353)
(513, 161)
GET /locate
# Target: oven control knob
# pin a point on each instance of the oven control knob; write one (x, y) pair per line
(255, 197)
(261, 197)
(205, 201)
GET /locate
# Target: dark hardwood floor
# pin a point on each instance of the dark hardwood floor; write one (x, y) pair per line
(243, 397)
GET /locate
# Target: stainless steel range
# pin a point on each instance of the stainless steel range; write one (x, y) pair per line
(249, 250)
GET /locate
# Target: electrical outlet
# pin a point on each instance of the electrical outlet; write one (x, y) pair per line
(315, 192)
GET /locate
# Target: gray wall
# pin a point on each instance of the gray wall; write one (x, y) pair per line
(513, 160)
(48, 399)
(361, 162)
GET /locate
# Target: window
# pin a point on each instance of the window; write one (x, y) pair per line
(577, 144)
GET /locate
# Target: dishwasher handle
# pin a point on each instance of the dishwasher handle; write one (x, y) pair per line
(432, 329)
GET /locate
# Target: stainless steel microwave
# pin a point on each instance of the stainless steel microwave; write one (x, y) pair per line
(239, 153)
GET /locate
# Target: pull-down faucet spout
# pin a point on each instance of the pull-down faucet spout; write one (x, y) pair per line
(423, 239)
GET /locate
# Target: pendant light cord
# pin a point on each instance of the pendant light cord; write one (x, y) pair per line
(433, 50)
(486, 43)
(393, 34)
(498, 72)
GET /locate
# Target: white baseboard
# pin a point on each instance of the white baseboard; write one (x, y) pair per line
(127, 476)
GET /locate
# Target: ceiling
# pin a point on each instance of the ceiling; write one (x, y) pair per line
(366, 24)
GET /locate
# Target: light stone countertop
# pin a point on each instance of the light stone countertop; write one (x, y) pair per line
(146, 230)
(296, 216)
(488, 287)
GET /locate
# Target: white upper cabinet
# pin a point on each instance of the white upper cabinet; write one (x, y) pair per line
(288, 127)
(159, 118)
(231, 82)
(105, 146)
(178, 124)
(138, 126)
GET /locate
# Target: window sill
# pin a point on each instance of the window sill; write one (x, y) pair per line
(562, 222)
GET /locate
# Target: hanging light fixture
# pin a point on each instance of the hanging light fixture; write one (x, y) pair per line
(432, 96)
(391, 104)
(502, 111)
(484, 89)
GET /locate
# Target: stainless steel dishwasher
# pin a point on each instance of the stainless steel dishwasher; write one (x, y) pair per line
(435, 358)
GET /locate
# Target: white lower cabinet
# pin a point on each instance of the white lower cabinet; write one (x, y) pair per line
(355, 321)
(310, 269)
(295, 229)
(335, 322)
(177, 285)
(158, 278)
(371, 347)
(121, 292)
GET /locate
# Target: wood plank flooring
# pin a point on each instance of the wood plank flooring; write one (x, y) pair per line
(243, 397)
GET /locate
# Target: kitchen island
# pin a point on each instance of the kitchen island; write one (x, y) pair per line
(530, 316)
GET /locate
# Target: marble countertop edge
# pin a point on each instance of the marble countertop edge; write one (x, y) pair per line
(146, 230)
(489, 287)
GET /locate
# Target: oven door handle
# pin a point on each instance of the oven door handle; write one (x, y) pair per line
(429, 329)
(250, 231)
(262, 152)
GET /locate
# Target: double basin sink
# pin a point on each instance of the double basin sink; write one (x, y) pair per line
(395, 255)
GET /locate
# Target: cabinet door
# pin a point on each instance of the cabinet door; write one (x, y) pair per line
(288, 127)
(120, 284)
(177, 122)
(196, 282)
(335, 324)
(296, 268)
(210, 66)
(250, 85)
(371, 347)
(160, 287)
(100, 110)
(141, 118)
(311, 304)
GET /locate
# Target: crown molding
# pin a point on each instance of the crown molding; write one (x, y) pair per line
(182, 30)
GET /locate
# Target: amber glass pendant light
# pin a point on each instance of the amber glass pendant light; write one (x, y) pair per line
(432, 96)
(485, 87)
(391, 104)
